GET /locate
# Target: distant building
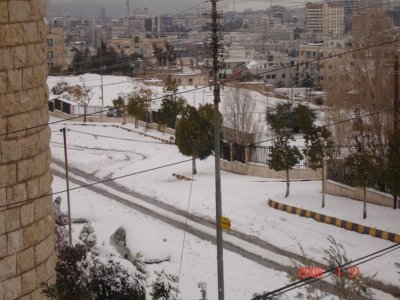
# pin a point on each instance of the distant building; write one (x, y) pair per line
(56, 49)
(325, 20)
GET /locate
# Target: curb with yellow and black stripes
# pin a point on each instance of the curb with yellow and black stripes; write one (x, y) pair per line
(335, 221)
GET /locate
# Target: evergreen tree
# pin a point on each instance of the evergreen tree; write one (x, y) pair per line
(118, 106)
(194, 133)
(392, 172)
(318, 147)
(139, 105)
(284, 157)
(164, 287)
(83, 275)
(290, 118)
(88, 237)
(172, 105)
(362, 158)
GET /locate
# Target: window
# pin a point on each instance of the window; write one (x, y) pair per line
(283, 76)
(273, 76)
(50, 55)
(136, 39)
(190, 81)
(50, 42)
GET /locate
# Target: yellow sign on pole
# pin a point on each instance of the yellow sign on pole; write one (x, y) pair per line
(225, 223)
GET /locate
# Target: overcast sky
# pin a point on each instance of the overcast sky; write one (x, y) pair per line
(117, 7)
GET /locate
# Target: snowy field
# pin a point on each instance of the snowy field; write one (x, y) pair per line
(110, 152)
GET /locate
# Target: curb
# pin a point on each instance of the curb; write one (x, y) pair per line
(181, 177)
(126, 129)
(335, 221)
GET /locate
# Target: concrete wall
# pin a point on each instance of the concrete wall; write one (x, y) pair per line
(375, 197)
(27, 255)
(265, 171)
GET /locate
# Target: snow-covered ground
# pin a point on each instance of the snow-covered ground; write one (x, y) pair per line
(110, 152)
(199, 256)
(114, 86)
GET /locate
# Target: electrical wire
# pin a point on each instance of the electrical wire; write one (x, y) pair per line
(184, 234)
(90, 114)
(335, 123)
(309, 280)
(22, 202)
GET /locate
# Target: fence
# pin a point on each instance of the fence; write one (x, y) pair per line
(260, 154)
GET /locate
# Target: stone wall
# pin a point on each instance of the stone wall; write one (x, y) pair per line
(27, 256)
(372, 196)
(265, 171)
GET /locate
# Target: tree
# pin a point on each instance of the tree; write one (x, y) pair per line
(290, 118)
(59, 88)
(203, 290)
(239, 110)
(284, 157)
(82, 275)
(80, 94)
(172, 105)
(318, 147)
(88, 237)
(163, 288)
(348, 284)
(364, 79)
(362, 158)
(194, 133)
(118, 107)
(392, 172)
(139, 105)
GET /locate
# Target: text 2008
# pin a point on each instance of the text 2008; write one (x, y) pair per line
(313, 272)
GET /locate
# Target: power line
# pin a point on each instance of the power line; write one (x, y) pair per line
(309, 280)
(336, 123)
(320, 59)
(19, 203)
(90, 114)
(183, 92)
(184, 234)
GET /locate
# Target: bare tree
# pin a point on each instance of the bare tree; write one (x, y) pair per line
(80, 94)
(364, 80)
(238, 111)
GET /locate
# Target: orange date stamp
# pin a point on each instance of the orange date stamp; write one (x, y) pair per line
(318, 272)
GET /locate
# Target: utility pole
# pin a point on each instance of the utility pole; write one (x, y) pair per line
(217, 146)
(63, 130)
(101, 78)
(396, 97)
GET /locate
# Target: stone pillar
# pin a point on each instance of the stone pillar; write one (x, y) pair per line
(27, 256)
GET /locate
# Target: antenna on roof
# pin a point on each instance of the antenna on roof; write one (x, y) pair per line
(127, 8)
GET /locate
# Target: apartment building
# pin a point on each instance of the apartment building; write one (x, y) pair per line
(325, 20)
(56, 49)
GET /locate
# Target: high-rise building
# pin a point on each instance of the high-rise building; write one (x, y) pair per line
(325, 20)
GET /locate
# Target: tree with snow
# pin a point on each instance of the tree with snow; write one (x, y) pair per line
(318, 147)
(164, 287)
(284, 157)
(88, 237)
(83, 275)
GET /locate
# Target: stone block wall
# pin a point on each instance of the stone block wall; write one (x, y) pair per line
(27, 256)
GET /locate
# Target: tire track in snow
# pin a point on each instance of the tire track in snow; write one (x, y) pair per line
(228, 245)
